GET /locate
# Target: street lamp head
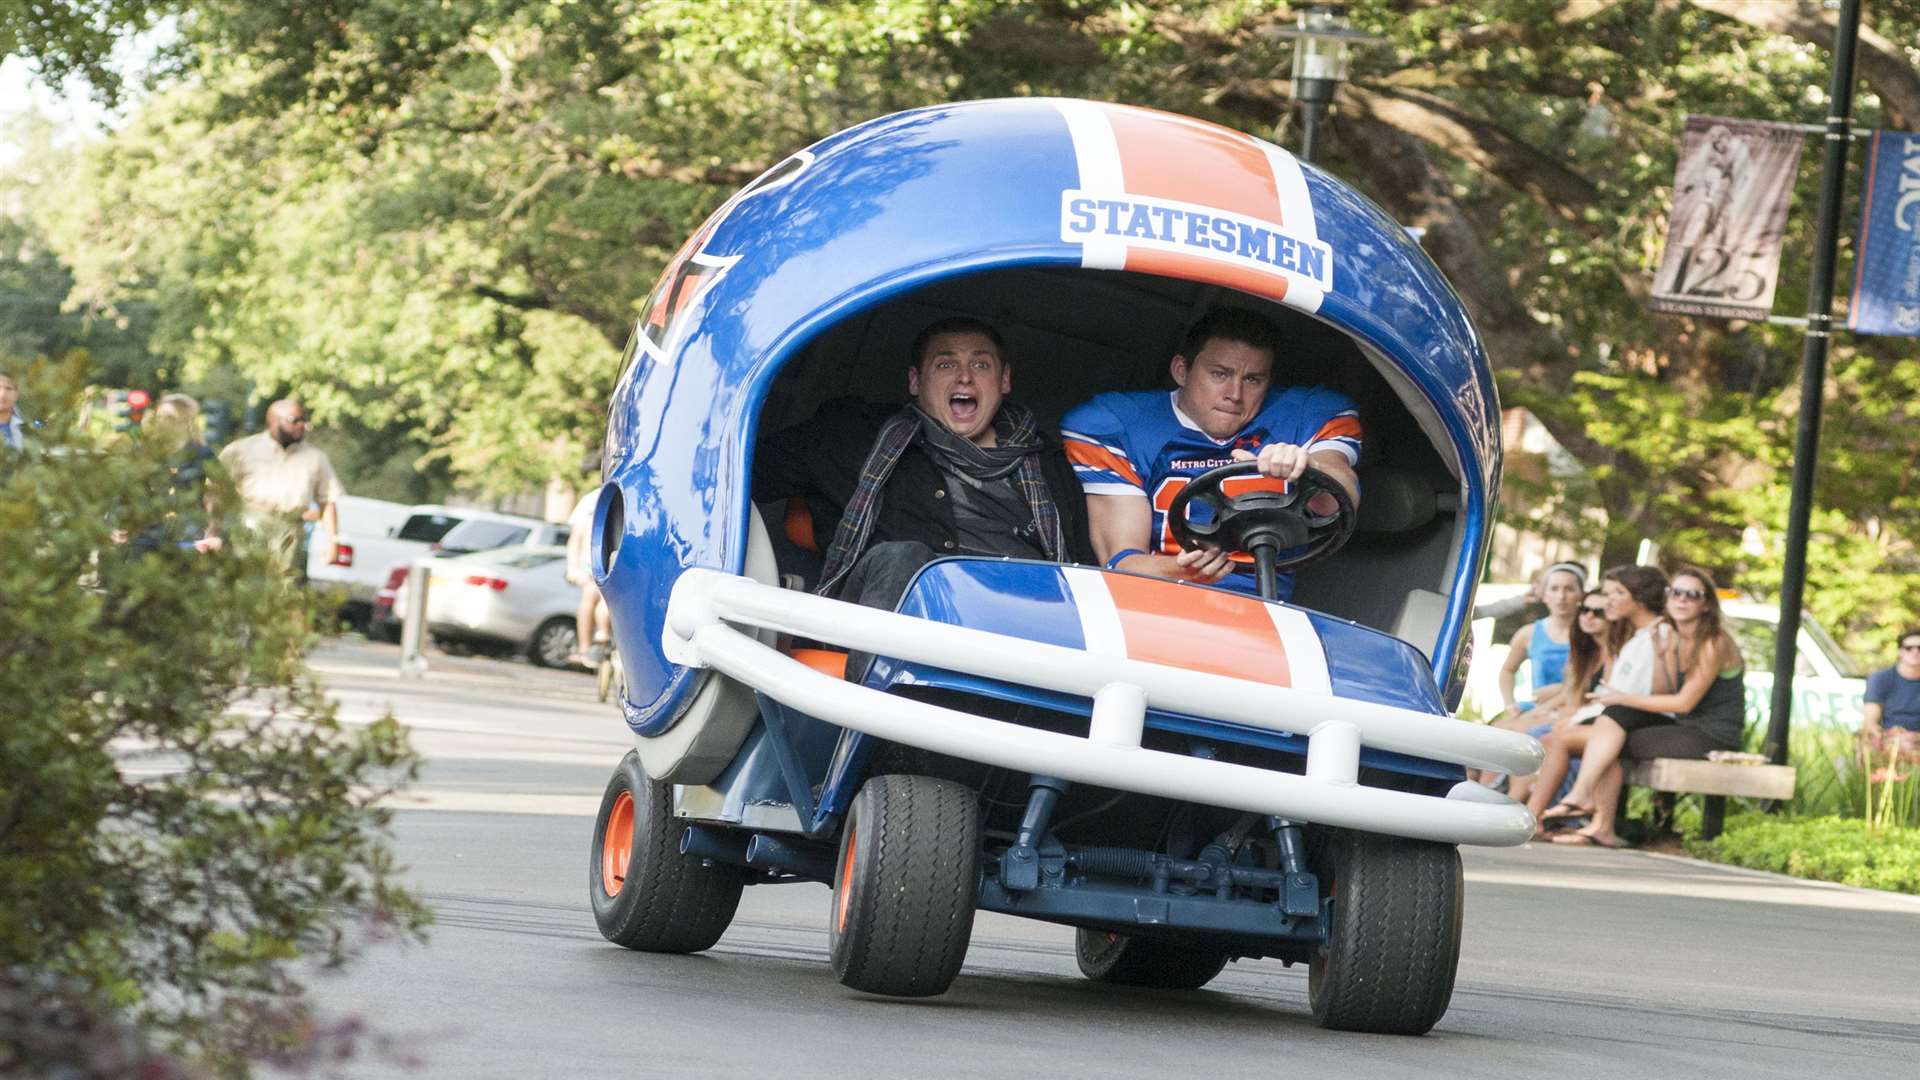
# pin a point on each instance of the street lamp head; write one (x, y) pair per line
(1322, 51)
(1323, 42)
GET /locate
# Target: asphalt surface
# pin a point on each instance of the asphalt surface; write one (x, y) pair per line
(1577, 963)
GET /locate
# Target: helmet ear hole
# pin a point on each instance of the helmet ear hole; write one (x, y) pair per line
(612, 515)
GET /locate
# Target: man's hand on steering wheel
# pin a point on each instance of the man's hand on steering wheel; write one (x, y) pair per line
(1206, 564)
(1308, 521)
(1285, 461)
(1282, 461)
(1210, 564)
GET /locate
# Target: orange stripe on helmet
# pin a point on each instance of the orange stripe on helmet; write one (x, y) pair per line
(1208, 630)
(1176, 264)
(1194, 163)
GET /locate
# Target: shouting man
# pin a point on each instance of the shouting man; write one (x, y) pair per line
(958, 470)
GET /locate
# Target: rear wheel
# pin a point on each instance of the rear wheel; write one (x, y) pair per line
(905, 886)
(1162, 963)
(1393, 935)
(553, 643)
(645, 894)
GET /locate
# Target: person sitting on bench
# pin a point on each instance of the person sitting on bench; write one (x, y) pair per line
(1707, 712)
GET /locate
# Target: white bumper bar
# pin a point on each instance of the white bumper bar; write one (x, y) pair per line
(698, 634)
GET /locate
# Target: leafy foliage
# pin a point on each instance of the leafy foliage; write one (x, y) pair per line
(437, 219)
(182, 815)
(1821, 848)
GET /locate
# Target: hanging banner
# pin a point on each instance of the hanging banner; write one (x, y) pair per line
(1730, 193)
(1886, 272)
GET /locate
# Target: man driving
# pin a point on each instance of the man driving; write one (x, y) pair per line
(958, 470)
(1133, 452)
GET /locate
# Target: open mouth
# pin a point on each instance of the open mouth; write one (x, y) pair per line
(963, 407)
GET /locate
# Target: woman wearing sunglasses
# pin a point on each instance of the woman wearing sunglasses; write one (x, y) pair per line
(1635, 597)
(1590, 646)
(1706, 712)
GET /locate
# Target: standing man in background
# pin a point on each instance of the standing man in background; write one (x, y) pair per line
(285, 483)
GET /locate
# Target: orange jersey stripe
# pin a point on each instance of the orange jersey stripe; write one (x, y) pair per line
(1340, 427)
(1099, 457)
(1209, 630)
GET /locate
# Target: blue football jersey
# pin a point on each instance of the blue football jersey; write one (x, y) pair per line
(1142, 444)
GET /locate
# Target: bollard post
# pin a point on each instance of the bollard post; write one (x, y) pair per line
(413, 625)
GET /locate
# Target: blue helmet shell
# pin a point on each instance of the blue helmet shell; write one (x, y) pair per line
(908, 199)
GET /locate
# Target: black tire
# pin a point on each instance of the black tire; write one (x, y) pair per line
(657, 900)
(905, 885)
(553, 643)
(357, 616)
(388, 632)
(453, 646)
(1393, 937)
(1160, 963)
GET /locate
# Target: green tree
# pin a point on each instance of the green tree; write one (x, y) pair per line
(439, 217)
(182, 815)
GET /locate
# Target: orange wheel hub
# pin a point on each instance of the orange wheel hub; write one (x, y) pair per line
(843, 891)
(616, 844)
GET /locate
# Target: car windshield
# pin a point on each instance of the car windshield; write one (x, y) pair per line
(481, 535)
(1843, 661)
(1756, 640)
(426, 528)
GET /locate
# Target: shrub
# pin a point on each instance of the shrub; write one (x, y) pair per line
(181, 814)
(1822, 848)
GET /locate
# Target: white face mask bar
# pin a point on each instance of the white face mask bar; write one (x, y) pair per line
(711, 614)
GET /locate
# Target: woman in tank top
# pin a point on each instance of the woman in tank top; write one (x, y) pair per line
(1589, 649)
(1706, 711)
(1635, 596)
(1544, 641)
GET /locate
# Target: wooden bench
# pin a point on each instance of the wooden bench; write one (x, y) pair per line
(1712, 779)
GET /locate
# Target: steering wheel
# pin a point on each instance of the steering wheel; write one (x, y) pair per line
(1266, 523)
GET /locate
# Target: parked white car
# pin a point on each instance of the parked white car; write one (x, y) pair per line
(1828, 686)
(374, 535)
(512, 598)
(478, 530)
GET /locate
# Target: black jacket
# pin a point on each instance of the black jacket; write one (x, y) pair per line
(820, 460)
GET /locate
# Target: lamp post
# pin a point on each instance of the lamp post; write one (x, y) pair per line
(1323, 40)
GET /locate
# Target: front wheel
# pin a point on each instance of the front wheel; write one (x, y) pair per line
(905, 886)
(1160, 963)
(646, 895)
(1393, 933)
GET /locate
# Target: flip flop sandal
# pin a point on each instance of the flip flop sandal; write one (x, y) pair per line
(1564, 811)
(1580, 839)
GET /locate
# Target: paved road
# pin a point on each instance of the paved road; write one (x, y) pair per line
(1577, 963)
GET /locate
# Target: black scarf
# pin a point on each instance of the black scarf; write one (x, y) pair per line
(1018, 448)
